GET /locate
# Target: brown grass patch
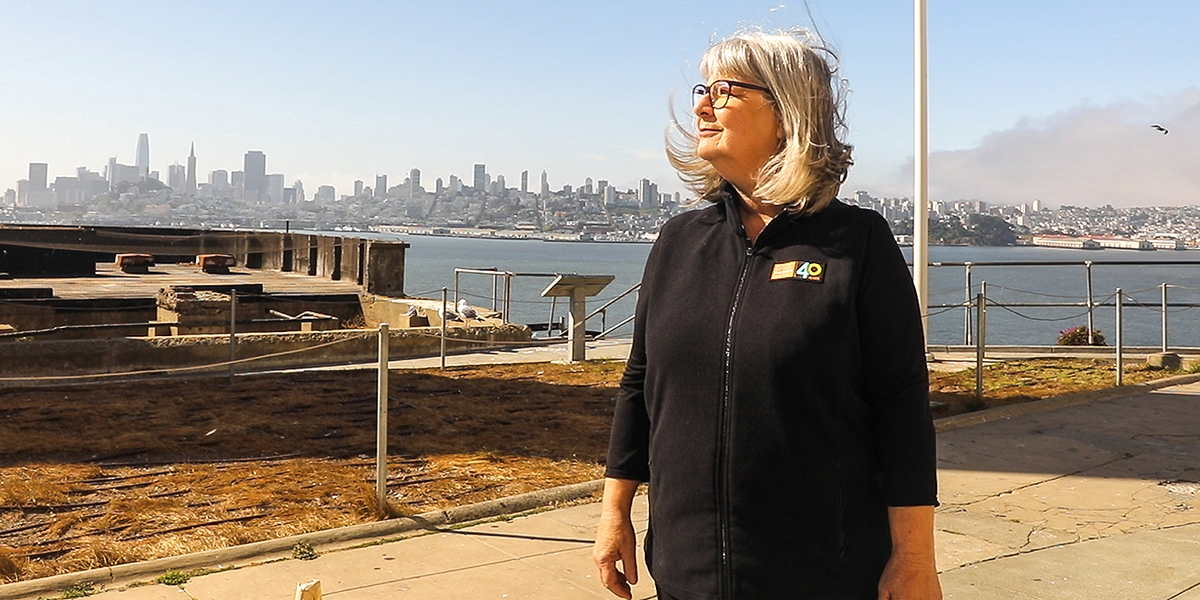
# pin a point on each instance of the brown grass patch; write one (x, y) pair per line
(103, 474)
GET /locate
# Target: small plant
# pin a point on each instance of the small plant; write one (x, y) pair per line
(173, 578)
(303, 551)
(1078, 336)
(79, 590)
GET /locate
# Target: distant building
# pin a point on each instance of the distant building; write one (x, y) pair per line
(414, 183)
(358, 188)
(525, 182)
(545, 191)
(177, 177)
(37, 177)
(254, 185)
(190, 184)
(219, 179)
(299, 186)
(647, 194)
(381, 188)
(481, 178)
(10, 197)
(275, 188)
(326, 193)
(143, 156)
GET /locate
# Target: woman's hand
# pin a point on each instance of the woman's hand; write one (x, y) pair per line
(911, 572)
(615, 538)
(910, 577)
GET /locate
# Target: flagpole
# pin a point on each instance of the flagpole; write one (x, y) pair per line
(921, 166)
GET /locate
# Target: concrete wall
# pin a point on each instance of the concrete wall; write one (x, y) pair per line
(384, 268)
(91, 357)
(72, 251)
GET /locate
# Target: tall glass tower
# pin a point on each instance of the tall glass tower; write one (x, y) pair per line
(143, 156)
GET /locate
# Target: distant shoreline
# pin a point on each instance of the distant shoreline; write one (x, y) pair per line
(517, 235)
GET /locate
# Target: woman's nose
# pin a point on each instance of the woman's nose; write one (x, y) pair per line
(703, 107)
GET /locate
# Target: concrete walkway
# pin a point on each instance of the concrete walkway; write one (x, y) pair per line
(1092, 500)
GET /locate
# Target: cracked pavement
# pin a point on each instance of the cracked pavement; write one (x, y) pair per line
(1095, 500)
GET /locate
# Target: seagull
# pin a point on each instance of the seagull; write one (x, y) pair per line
(1160, 128)
(466, 311)
(447, 314)
(412, 311)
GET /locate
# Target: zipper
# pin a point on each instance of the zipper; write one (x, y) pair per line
(723, 441)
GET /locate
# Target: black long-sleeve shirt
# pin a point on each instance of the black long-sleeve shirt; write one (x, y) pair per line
(776, 399)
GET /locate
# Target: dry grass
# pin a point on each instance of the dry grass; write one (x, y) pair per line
(104, 474)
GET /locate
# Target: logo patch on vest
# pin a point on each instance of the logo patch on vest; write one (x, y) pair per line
(793, 269)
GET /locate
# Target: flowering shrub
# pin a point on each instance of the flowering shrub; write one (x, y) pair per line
(1078, 336)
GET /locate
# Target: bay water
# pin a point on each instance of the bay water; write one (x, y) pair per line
(431, 261)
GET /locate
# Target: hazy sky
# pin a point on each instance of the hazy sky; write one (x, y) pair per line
(1049, 99)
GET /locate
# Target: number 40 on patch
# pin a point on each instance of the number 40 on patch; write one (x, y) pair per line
(808, 270)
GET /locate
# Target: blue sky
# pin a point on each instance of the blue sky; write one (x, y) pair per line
(1050, 99)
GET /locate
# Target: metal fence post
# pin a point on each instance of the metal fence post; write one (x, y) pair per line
(232, 331)
(967, 312)
(381, 426)
(1120, 355)
(507, 297)
(980, 307)
(445, 316)
(1091, 322)
(1164, 316)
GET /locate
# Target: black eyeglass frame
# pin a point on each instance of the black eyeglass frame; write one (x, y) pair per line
(702, 89)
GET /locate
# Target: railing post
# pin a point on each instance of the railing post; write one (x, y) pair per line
(1091, 321)
(1164, 316)
(967, 312)
(495, 289)
(507, 296)
(1120, 354)
(445, 314)
(981, 308)
(381, 426)
(232, 331)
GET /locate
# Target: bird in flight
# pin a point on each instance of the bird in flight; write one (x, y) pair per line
(1160, 128)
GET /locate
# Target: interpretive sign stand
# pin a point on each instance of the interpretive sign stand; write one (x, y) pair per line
(578, 288)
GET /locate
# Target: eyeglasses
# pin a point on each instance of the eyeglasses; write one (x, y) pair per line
(720, 90)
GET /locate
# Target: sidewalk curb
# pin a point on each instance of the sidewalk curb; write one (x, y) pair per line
(1025, 408)
(259, 551)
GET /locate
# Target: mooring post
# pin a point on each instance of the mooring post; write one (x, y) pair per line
(1120, 353)
(381, 426)
(232, 331)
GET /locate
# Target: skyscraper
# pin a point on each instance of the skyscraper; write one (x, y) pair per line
(275, 188)
(143, 156)
(358, 188)
(525, 182)
(545, 186)
(37, 177)
(414, 182)
(381, 186)
(480, 177)
(190, 187)
(176, 177)
(254, 184)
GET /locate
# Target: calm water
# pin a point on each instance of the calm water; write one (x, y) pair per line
(431, 262)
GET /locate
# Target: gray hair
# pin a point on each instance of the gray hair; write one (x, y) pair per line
(804, 175)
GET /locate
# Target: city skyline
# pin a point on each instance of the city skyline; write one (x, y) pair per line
(1052, 98)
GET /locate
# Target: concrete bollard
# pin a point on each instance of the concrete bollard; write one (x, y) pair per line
(310, 590)
(1164, 360)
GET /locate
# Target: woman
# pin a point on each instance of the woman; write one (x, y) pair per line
(776, 396)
